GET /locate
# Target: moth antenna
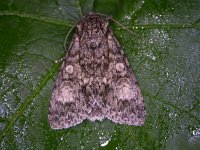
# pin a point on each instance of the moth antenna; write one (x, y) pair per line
(123, 26)
(117, 22)
(65, 42)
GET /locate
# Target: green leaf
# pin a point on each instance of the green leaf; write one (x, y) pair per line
(164, 53)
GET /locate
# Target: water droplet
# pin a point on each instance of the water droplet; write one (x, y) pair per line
(82, 147)
(2, 126)
(153, 57)
(195, 136)
(2, 112)
(127, 17)
(150, 41)
(105, 143)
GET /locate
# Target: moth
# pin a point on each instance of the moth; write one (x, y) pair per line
(95, 81)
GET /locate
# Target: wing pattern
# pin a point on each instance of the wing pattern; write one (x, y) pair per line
(95, 81)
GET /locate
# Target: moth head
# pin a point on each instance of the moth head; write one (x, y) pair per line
(92, 24)
(92, 30)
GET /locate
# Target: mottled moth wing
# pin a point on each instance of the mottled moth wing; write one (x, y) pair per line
(68, 105)
(95, 81)
(125, 103)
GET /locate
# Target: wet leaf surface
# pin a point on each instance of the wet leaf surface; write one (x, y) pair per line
(164, 52)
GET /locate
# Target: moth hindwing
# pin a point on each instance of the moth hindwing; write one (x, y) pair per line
(95, 81)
